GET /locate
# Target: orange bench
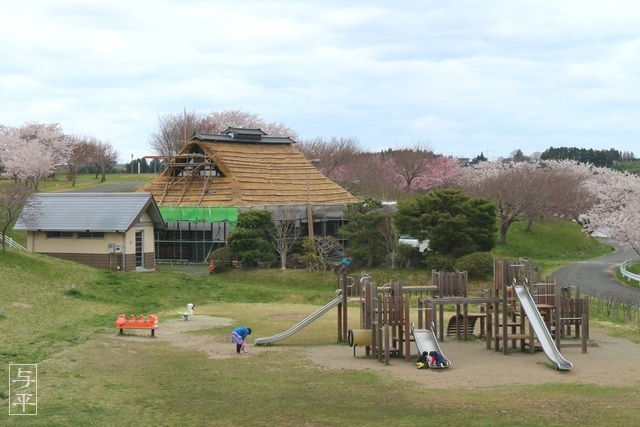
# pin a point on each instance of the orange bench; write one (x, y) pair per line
(133, 323)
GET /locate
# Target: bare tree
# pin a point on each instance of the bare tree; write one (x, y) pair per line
(12, 199)
(79, 155)
(285, 234)
(102, 155)
(334, 154)
(174, 129)
(219, 121)
(412, 163)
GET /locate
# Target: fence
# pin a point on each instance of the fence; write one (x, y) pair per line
(628, 274)
(611, 307)
(12, 243)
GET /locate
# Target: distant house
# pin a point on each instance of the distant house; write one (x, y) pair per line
(113, 231)
(217, 176)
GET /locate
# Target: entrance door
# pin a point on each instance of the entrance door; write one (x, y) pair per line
(139, 249)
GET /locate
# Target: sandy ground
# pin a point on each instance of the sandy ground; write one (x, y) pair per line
(613, 361)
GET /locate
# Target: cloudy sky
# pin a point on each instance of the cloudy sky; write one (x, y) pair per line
(463, 77)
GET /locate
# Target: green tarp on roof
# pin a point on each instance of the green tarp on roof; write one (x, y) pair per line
(199, 214)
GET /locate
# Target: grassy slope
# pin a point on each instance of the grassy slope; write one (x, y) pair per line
(88, 378)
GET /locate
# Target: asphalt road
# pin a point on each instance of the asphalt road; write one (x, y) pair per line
(116, 187)
(597, 276)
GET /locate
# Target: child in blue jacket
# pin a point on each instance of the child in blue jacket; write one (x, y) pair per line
(238, 337)
(437, 359)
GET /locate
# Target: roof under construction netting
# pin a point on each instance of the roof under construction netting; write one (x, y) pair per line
(199, 214)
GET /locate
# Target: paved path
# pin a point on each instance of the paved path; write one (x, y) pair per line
(597, 276)
(116, 187)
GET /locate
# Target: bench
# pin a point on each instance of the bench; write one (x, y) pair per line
(472, 318)
(140, 323)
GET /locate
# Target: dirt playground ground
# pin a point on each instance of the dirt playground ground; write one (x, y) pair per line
(613, 362)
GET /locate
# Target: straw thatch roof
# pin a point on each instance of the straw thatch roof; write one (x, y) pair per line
(243, 168)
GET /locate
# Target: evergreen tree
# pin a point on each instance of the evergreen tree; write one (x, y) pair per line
(250, 241)
(454, 223)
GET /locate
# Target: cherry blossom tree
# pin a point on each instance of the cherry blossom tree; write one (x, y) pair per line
(443, 172)
(411, 163)
(31, 151)
(616, 212)
(524, 191)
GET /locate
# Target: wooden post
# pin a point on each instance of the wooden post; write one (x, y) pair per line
(407, 329)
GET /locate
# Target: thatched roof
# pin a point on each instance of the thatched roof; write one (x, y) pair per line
(243, 168)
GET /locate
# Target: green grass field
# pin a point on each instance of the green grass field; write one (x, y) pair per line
(61, 315)
(88, 376)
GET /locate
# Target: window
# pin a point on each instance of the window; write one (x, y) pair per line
(59, 235)
(91, 235)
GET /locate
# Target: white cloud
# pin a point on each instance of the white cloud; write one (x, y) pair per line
(465, 76)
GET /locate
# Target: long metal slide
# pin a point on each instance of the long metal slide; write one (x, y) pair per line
(539, 327)
(337, 300)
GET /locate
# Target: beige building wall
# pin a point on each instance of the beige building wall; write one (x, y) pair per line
(96, 251)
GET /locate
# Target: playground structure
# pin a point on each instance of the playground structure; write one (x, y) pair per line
(537, 316)
(140, 323)
(546, 311)
(385, 323)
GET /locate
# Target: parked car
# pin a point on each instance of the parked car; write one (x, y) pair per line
(407, 240)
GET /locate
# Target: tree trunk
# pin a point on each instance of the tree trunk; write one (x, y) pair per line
(529, 225)
(504, 227)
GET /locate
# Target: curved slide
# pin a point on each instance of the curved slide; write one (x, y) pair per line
(426, 340)
(543, 334)
(337, 300)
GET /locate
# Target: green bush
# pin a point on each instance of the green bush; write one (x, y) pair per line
(409, 257)
(222, 260)
(479, 265)
(438, 262)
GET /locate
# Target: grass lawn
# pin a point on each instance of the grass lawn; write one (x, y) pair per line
(61, 316)
(89, 376)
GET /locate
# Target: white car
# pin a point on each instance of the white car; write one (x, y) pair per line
(415, 243)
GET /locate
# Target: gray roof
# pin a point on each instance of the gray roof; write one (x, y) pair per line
(249, 136)
(98, 212)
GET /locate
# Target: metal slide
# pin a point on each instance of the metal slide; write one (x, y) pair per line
(426, 340)
(303, 323)
(539, 327)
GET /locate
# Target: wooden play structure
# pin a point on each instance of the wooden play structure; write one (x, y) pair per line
(562, 310)
(385, 325)
(139, 323)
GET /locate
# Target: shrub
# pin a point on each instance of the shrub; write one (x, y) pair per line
(222, 260)
(479, 265)
(438, 262)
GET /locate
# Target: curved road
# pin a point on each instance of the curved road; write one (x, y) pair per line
(597, 276)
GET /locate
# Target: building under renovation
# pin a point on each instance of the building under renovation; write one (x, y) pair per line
(215, 177)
